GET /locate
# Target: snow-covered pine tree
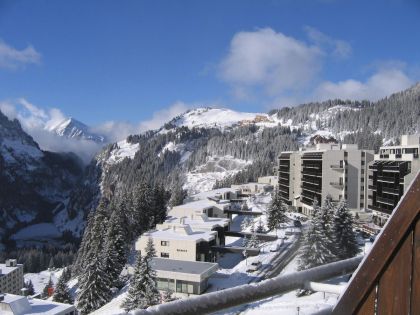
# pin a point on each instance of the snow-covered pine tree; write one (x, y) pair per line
(116, 251)
(80, 262)
(143, 291)
(276, 212)
(178, 194)
(30, 286)
(244, 223)
(326, 215)
(94, 287)
(253, 241)
(66, 274)
(316, 247)
(260, 226)
(343, 234)
(62, 293)
(160, 200)
(142, 208)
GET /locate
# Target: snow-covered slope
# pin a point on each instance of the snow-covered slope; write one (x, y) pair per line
(74, 129)
(216, 118)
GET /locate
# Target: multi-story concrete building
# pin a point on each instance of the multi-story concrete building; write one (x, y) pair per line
(313, 173)
(11, 304)
(11, 277)
(390, 174)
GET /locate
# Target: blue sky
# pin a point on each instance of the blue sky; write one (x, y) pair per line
(136, 61)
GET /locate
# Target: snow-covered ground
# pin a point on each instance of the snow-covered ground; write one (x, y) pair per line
(124, 150)
(203, 177)
(40, 280)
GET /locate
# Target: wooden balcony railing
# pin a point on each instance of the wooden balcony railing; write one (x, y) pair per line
(388, 280)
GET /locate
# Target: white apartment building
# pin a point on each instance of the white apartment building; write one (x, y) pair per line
(11, 304)
(390, 174)
(11, 277)
(178, 241)
(313, 173)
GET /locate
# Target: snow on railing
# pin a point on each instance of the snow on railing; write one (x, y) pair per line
(244, 294)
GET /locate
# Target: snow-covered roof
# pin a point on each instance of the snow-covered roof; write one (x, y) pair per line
(199, 221)
(4, 270)
(181, 233)
(211, 193)
(181, 266)
(21, 305)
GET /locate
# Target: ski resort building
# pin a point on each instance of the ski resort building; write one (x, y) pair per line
(180, 242)
(391, 172)
(11, 304)
(11, 277)
(313, 173)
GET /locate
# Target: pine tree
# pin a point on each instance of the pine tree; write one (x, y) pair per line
(260, 226)
(178, 195)
(47, 289)
(276, 215)
(62, 293)
(316, 247)
(116, 251)
(94, 287)
(343, 234)
(143, 291)
(66, 274)
(30, 286)
(253, 241)
(326, 216)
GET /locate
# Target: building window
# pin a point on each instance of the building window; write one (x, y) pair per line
(363, 153)
(164, 255)
(164, 243)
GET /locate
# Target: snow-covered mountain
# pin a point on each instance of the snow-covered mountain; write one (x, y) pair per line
(35, 188)
(74, 129)
(221, 118)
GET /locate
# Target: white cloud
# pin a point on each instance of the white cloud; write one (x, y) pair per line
(12, 58)
(270, 60)
(337, 47)
(382, 83)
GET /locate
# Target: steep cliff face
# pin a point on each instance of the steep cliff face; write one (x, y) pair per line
(35, 186)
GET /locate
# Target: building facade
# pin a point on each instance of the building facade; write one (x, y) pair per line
(390, 174)
(313, 173)
(11, 277)
(180, 242)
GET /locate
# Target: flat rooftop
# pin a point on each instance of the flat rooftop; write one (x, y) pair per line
(170, 234)
(5, 270)
(197, 205)
(181, 266)
(22, 305)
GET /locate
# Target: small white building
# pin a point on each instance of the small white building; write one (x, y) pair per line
(11, 277)
(11, 304)
(178, 241)
(188, 277)
(211, 208)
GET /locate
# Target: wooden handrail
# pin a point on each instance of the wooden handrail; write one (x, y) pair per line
(394, 235)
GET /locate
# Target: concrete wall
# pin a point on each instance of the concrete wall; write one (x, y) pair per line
(177, 249)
